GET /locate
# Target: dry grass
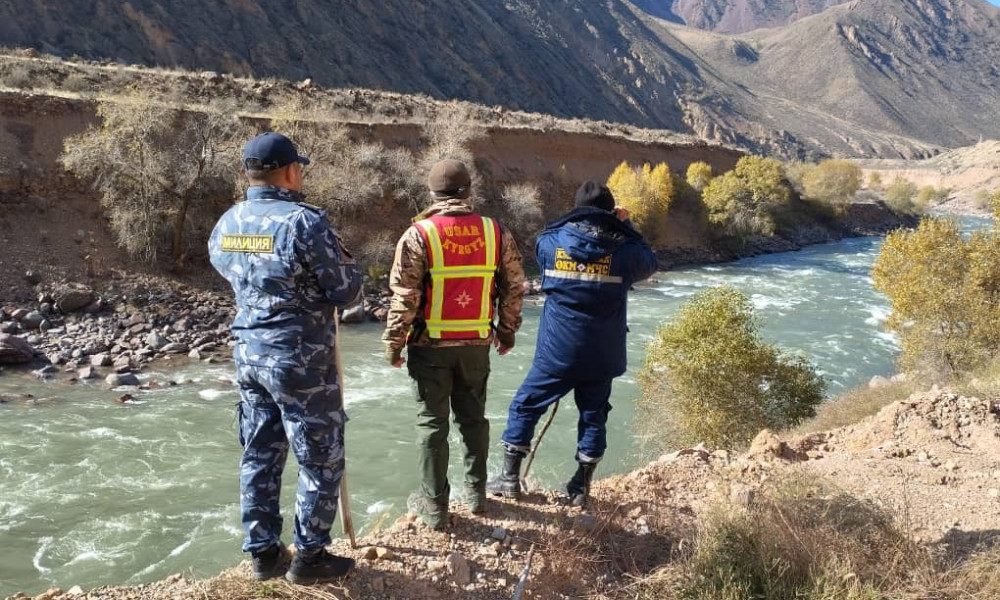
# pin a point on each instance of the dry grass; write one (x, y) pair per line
(855, 405)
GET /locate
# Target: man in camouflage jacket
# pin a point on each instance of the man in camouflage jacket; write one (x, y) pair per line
(289, 272)
(450, 372)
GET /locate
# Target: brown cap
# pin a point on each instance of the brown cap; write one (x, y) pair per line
(449, 178)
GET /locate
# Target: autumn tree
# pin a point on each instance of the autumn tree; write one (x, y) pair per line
(833, 181)
(742, 200)
(646, 192)
(699, 175)
(944, 290)
(709, 377)
(153, 164)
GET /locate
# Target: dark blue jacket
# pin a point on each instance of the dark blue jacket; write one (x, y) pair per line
(589, 261)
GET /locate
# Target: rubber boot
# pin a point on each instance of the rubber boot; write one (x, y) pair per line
(508, 484)
(578, 488)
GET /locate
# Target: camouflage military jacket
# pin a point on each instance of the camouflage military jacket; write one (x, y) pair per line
(408, 278)
(288, 270)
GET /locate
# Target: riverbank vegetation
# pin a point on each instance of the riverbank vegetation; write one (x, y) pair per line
(710, 378)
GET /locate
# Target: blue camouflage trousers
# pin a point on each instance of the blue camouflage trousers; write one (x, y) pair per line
(284, 407)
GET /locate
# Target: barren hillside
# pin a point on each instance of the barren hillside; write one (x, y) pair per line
(887, 78)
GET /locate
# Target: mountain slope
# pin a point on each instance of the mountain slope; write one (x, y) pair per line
(734, 16)
(892, 78)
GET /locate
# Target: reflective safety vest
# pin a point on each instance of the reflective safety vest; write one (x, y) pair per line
(463, 254)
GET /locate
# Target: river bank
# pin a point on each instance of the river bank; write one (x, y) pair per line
(644, 525)
(112, 329)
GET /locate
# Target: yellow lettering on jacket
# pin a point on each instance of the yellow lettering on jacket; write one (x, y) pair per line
(451, 247)
(254, 244)
(564, 262)
(462, 231)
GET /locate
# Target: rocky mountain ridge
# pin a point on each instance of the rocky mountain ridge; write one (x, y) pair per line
(886, 78)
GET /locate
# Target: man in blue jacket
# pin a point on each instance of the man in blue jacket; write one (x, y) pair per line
(289, 272)
(589, 260)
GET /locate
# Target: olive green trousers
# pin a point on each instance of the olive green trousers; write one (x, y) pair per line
(451, 379)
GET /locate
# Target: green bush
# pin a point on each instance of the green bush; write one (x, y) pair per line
(944, 291)
(709, 377)
(741, 201)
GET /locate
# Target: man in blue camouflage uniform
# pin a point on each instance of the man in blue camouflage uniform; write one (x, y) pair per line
(289, 272)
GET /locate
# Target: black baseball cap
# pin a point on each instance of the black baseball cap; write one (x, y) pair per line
(270, 151)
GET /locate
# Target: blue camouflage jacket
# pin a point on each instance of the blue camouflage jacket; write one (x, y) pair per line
(589, 261)
(288, 270)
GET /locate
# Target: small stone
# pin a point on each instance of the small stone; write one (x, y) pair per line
(33, 277)
(86, 373)
(499, 534)
(156, 341)
(101, 360)
(370, 553)
(71, 299)
(125, 398)
(950, 466)
(32, 320)
(75, 591)
(46, 371)
(458, 566)
(174, 348)
(195, 354)
(384, 553)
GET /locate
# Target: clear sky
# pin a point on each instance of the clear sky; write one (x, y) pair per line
(996, 2)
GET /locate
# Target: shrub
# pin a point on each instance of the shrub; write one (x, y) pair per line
(875, 180)
(742, 200)
(699, 175)
(833, 181)
(153, 165)
(900, 196)
(708, 377)
(801, 539)
(646, 192)
(994, 203)
(929, 195)
(522, 211)
(944, 291)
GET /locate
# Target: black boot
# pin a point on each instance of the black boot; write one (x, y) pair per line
(508, 484)
(578, 488)
(321, 567)
(271, 562)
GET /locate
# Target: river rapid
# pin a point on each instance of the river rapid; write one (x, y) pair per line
(95, 492)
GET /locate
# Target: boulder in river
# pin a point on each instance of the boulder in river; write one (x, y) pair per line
(101, 360)
(120, 379)
(174, 348)
(14, 350)
(156, 341)
(86, 373)
(355, 314)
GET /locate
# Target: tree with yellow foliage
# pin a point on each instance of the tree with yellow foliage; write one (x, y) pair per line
(699, 175)
(646, 192)
(742, 200)
(833, 181)
(945, 295)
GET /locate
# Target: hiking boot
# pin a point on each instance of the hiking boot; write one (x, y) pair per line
(321, 567)
(270, 563)
(476, 499)
(431, 513)
(578, 488)
(508, 484)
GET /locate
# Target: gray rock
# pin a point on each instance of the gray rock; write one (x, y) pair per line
(120, 379)
(86, 373)
(70, 299)
(499, 534)
(878, 382)
(10, 327)
(354, 314)
(19, 314)
(32, 320)
(94, 307)
(182, 325)
(46, 371)
(45, 308)
(174, 348)
(101, 360)
(14, 350)
(57, 358)
(195, 354)
(33, 277)
(156, 341)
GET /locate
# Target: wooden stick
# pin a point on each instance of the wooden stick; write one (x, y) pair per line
(344, 501)
(538, 440)
(523, 580)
